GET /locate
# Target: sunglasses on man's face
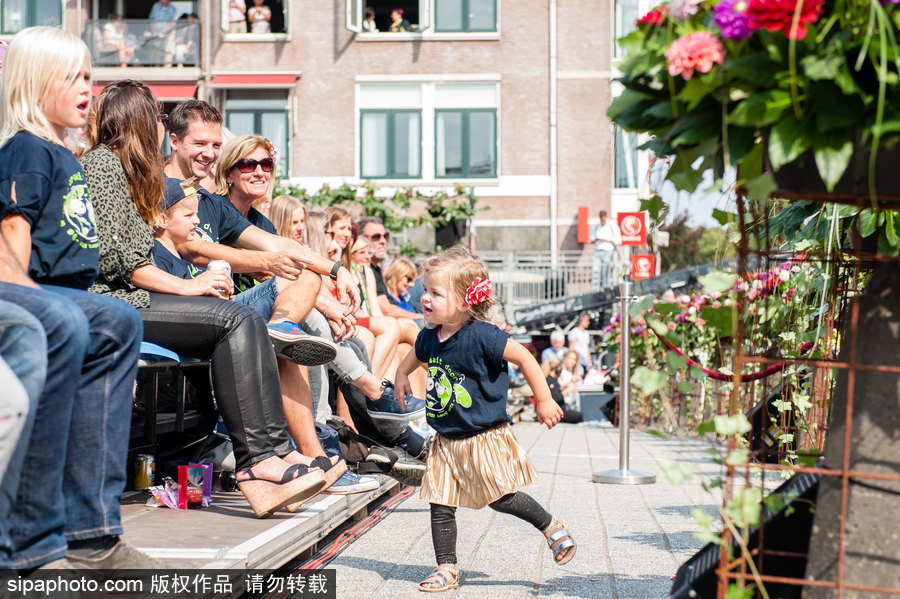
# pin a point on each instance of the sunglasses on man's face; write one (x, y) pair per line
(246, 165)
(378, 236)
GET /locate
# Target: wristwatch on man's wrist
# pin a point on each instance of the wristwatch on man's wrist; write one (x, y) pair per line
(334, 270)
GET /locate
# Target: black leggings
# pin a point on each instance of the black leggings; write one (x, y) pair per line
(443, 521)
(244, 371)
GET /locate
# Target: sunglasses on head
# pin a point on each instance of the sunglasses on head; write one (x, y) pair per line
(378, 236)
(246, 165)
(164, 119)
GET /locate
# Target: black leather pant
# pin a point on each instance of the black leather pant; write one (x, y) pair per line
(244, 371)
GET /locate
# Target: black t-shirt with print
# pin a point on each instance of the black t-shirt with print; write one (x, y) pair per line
(467, 379)
(220, 222)
(173, 264)
(53, 196)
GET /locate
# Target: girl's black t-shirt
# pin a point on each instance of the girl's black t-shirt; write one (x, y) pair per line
(51, 193)
(467, 379)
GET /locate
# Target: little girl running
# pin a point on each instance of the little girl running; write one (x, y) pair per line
(475, 459)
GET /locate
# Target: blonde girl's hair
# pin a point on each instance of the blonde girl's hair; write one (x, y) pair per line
(550, 366)
(235, 149)
(315, 232)
(458, 269)
(333, 215)
(124, 118)
(574, 369)
(401, 267)
(37, 58)
(281, 213)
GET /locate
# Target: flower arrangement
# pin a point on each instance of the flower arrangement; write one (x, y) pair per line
(757, 84)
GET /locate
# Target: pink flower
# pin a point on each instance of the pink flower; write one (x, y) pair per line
(700, 322)
(698, 51)
(684, 9)
(672, 326)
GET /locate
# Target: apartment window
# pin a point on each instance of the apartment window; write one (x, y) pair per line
(263, 112)
(16, 15)
(465, 143)
(414, 15)
(626, 159)
(390, 144)
(243, 29)
(429, 130)
(465, 15)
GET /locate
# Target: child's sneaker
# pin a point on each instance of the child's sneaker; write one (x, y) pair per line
(353, 483)
(387, 407)
(297, 346)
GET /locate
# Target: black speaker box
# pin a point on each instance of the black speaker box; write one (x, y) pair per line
(787, 529)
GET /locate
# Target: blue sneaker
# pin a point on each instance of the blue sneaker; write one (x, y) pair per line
(387, 407)
(353, 483)
(299, 347)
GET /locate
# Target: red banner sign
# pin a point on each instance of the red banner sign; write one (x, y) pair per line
(633, 227)
(642, 266)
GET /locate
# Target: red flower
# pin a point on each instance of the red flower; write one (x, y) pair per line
(777, 15)
(655, 16)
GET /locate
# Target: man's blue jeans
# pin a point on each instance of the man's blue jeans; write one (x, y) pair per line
(23, 368)
(74, 469)
(601, 269)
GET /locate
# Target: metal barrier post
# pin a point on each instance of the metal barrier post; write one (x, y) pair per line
(623, 475)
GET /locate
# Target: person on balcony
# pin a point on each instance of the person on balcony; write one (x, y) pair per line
(163, 15)
(398, 23)
(604, 240)
(237, 16)
(259, 17)
(114, 39)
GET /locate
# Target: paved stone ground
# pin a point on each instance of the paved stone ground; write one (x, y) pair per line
(631, 538)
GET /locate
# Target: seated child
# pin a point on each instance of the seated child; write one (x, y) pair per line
(177, 224)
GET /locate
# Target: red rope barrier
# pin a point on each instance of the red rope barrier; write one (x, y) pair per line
(719, 376)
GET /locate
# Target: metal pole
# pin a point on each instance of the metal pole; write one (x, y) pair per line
(625, 476)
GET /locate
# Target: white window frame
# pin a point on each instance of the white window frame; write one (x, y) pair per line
(255, 37)
(427, 103)
(353, 17)
(230, 104)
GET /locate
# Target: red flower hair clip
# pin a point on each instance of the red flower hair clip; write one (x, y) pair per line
(478, 291)
(272, 151)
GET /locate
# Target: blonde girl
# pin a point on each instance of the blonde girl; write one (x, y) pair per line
(475, 460)
(288, 214)
(82, 416)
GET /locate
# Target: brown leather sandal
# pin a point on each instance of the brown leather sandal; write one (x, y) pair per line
(559, 539)
(443, 578)
(267, 497)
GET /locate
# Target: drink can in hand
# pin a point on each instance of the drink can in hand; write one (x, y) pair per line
(223, 266)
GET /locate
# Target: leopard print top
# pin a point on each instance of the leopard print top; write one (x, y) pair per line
(126, 241)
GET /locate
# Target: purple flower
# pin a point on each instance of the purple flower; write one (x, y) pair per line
(731, 19)
(638, 330)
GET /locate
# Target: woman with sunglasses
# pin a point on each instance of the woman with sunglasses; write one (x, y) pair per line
(123, 169)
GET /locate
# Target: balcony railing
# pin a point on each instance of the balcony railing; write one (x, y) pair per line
(142, 42)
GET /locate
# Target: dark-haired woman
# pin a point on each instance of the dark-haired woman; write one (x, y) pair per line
(124, 172)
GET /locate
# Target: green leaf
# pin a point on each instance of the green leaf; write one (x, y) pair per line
(738, 457)
(761, 187)
(761, 109)
(867, 222)
(666, 308)
(731, 425)
(705, 523)
(890, 230)
(822, 67)
(736, 592)
(654, 206)
(685, 386)
(717, 282)
(744, 508)
(726, 371)
(697, 372)
(676, 472)
(789, 138)
(723, 217)
(675, 362)
(683, 175)
(648, 382)
(658, 326)
(833, 152)
(706, 427)
(721, 318)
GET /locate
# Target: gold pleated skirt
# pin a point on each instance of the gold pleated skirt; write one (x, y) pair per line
(477, 470)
